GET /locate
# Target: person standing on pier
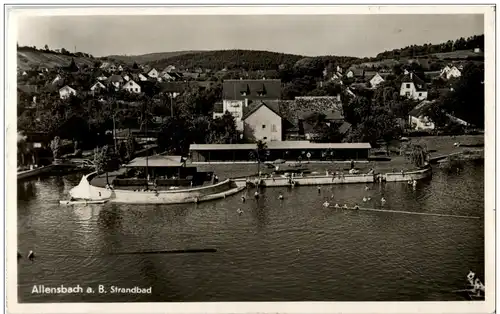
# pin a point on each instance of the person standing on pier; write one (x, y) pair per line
(352, 164)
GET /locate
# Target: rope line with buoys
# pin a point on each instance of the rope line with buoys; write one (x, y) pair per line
(417, 213)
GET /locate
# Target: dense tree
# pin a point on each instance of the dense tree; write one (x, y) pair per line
(55, 146)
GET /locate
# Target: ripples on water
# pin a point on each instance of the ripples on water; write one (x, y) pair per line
(288, 250)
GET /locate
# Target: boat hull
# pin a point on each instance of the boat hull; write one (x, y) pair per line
(191, 195)
(82, 202)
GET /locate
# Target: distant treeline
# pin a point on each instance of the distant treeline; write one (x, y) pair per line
(247, 60)
(476, 41)
(61, 51)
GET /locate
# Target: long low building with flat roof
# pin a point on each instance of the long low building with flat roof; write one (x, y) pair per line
(287, 150)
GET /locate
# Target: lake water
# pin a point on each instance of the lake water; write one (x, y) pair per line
(289, 250)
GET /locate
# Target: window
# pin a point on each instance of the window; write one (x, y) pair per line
(419, 94)
(273, 128)
(265, 137)
(407, 85)
(263, 126)
(407, 94)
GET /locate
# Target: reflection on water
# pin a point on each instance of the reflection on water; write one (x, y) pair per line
(276, 250)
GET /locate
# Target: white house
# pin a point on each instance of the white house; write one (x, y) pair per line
(169, 68)
(153, 73)
(142, 77)
(413, 87)
(66, 91)
(376, 80)
(120, 68)
(238, 95)
(449, 73)
(97, 87)
(262, 123)
(132, 87)
(349, 74)
(167, 77)
(417, 118)
(339, 69)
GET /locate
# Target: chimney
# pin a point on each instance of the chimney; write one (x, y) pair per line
(411, 75)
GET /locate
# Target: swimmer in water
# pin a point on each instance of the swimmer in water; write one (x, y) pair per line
(239, 211)
(243, 199)
(280, 196)
(337, 206)
(345, 206)
(365, 199)
(326, 204)
(383, 200)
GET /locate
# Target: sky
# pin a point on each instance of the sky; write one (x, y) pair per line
(341, 35)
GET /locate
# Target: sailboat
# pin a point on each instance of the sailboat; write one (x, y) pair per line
(84, 193)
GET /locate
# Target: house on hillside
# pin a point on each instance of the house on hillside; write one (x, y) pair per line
(66, 92)
(132, 87)
(116, 81)
(153, 73)
(238, 95)
(97, 87)
(108, 66)
(142, 77)
(120, 68)
(413, 87)
(166, 76)
(376, 80)
(417, 118)
(355, 73)
(169, 68)
(127, 77)
(262, 122)
(450, 72)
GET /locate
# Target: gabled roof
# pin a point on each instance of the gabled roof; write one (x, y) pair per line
(66, 87)
(98, 84)
(131, 82)
(412, 78)
(273, 106)
(420, 108)
(115, 78)
(235, 89)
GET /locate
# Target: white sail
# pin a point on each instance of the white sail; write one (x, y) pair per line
(86, 191)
